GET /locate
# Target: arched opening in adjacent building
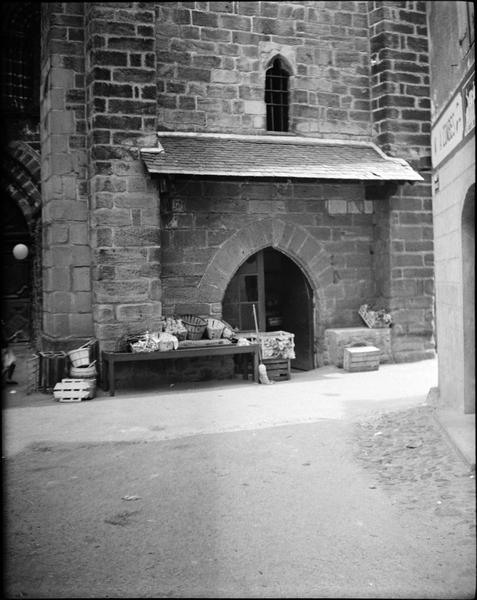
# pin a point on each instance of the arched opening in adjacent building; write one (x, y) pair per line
(16, 294)
(468, 298)
(283, 298)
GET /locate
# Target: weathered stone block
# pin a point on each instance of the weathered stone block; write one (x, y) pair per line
(61, 302)
(115, 256)
(121, 291)
(103, 313)
(112, 217)
(137, 312)
(81, 279)
(337, 339)
(224, 76)
(137, 236)
(81, 324)
(57, 279)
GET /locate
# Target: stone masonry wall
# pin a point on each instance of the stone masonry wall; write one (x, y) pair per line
(400, 107)
(67, 314)
(212, 58)
(125, 228)
(326, 228)
(115, 74)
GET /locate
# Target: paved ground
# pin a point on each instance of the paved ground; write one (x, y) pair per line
(330, 485)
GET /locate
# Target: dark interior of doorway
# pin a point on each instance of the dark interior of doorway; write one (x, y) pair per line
(283, 298)
(16, 295)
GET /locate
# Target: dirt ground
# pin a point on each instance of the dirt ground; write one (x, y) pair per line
(378, 507)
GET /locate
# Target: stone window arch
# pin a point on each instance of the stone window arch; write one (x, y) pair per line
(277, 94)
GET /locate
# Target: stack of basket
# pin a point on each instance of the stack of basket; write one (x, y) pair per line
(82, 385)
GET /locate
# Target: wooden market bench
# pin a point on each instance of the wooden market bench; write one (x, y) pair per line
(109, 359)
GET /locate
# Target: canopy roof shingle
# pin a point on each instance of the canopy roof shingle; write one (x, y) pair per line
(272, 156)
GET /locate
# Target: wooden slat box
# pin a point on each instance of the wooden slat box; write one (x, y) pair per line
(362, 358)
(278, 369)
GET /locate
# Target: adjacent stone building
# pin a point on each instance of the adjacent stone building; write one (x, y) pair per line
(198, 157)
(452, 52)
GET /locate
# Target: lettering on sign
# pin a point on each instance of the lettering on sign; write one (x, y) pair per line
(448, 131)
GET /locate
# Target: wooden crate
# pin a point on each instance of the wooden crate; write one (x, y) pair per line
(75, 390)
(33, 374)
(53, 367)
(363, 358)
(278, 369)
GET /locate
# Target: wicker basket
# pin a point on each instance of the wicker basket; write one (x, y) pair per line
(214, 329)
(370, 318)
(195, 326)
(83, 372)
(79, 357)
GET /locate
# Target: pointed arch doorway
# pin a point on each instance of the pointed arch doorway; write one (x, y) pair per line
(283, 297)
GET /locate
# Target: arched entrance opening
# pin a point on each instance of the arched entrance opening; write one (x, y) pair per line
(283, 298)
(468, 298)
(16, 294)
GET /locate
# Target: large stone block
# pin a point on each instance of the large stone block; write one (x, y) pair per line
(57, 279)
(137, 312)
(137, 236)
(81, 324)
(113, 217)
(81, 279)
(337, 339)
(121, 291)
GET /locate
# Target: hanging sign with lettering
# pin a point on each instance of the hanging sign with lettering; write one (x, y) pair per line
(455, 123)
(448, 131)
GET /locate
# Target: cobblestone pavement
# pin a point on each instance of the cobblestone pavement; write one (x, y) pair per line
(409, 457)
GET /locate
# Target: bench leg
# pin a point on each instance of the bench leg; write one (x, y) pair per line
(111, 377)
(104, 376)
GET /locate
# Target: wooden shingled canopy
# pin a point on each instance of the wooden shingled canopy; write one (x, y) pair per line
(273, 156)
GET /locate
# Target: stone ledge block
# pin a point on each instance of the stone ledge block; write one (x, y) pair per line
(336, 340)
